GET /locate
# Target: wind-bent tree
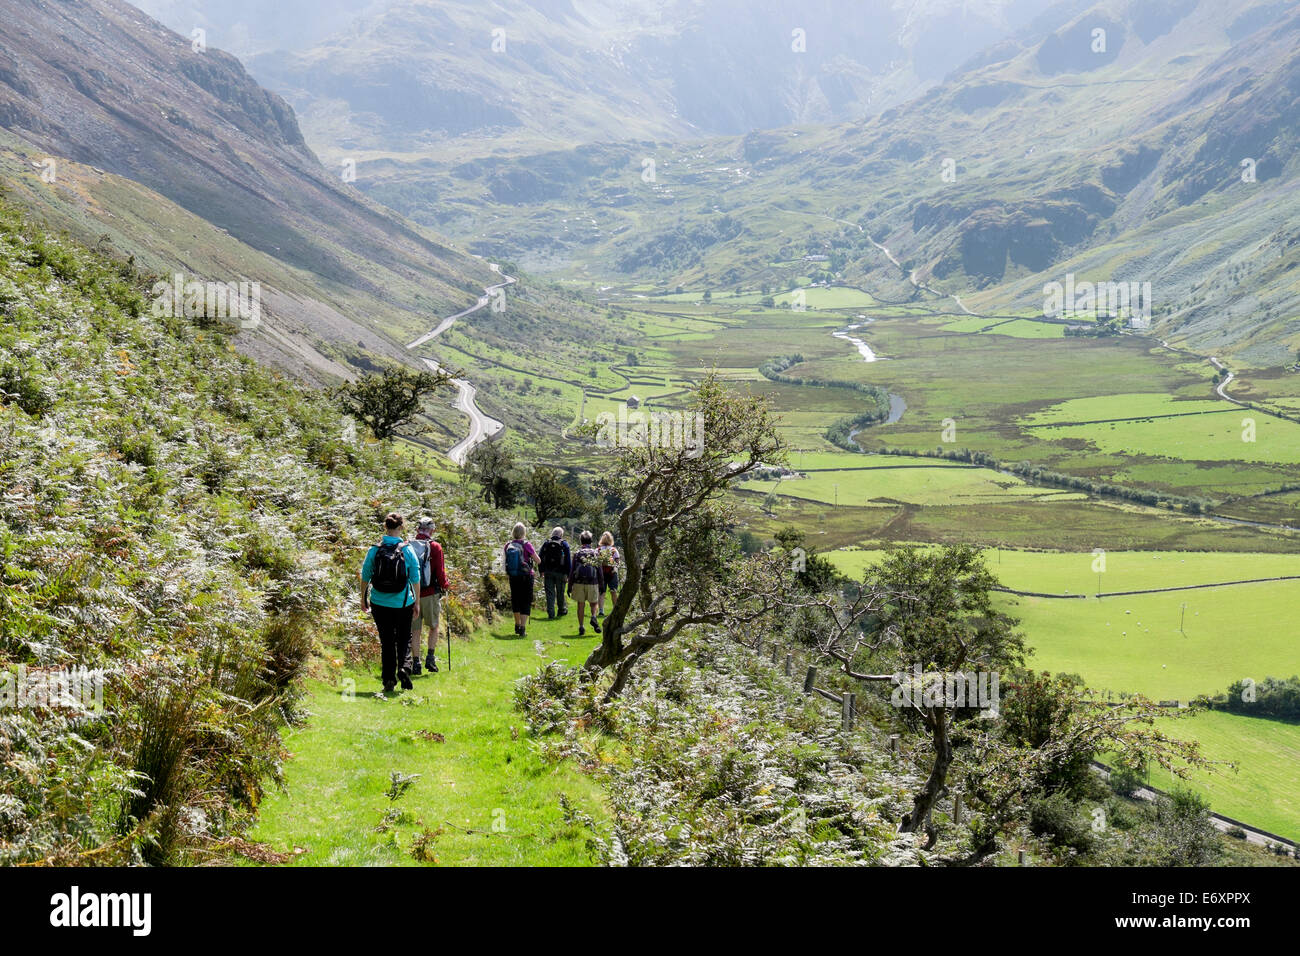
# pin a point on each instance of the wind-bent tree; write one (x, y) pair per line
(550, 496)
(678, 570)
(930, 610)
(493, 469)
(1050, 729)
(390, 400)
(933, 609)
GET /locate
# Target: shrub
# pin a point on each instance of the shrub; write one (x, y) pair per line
(27, 385)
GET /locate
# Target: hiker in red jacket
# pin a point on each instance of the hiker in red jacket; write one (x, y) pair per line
(433, 585)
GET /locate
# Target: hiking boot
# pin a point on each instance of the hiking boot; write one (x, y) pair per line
(415, 669)
(595, 624)
(431, 663)
(582, 631)
(405, 677)
(389, 688)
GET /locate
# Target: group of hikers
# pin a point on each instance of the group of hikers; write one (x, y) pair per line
(403, 582)
(585, 576)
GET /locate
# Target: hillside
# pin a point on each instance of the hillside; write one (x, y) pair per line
(1036, 158)
(186, 521)
(174, 154)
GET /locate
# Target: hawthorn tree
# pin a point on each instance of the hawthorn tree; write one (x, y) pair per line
(929, 610)
(390, 400)
(551, 497)
(934, 609)
(493, 469)
(1050, 728)
(679, 570)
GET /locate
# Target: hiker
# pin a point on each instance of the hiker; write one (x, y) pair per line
(433, 585)
(555, 563)
(390, 580)
(521, 559)
(584, 582)
(610, 559)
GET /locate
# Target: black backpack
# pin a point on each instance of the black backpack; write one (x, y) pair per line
(552, 556)
(584, 563)
(388, 574)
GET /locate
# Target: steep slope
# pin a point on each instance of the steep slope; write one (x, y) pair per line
(106, 93)
(419, 77)
(218, 510)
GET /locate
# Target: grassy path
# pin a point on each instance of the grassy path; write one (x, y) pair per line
(483, 786)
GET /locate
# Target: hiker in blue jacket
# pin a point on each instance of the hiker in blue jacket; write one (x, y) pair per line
(390, 583)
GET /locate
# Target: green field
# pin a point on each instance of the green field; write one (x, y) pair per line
(881, 484)
(1264, 790)
(1134, 643)
(1054, 572)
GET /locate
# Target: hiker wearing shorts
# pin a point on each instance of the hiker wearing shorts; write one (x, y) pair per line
(610, 560)
(433, 585)
(584, 582)
(390, 581)
(555, 563)
(521, 559)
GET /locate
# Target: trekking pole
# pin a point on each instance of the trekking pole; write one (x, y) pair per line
(449, 648)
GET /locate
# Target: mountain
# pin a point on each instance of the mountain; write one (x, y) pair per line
(418, 77)
(1120, 141)
(173, 153)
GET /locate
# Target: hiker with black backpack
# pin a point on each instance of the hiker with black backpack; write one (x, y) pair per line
(390, 581)
(584, 582)
(555, 563)
(433, 585)
(521, 559)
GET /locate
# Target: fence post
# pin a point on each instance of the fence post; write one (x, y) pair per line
(893, 745)
(809, 679)
(773, 655)
(758, 645)
(789, 664)
(956, 807)
(1022, 856)
(847, 705)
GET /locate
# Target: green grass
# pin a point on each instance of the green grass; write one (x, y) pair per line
(1134, 643)
(1056, 572)
(1236, 435)
(481, 777)
(937, 482)
(1265, 789)
(1107, 408)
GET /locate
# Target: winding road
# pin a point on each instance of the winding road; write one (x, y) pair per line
(482, 427)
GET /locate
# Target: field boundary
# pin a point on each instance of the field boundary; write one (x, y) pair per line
(1178, 587)
(1131, 418)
